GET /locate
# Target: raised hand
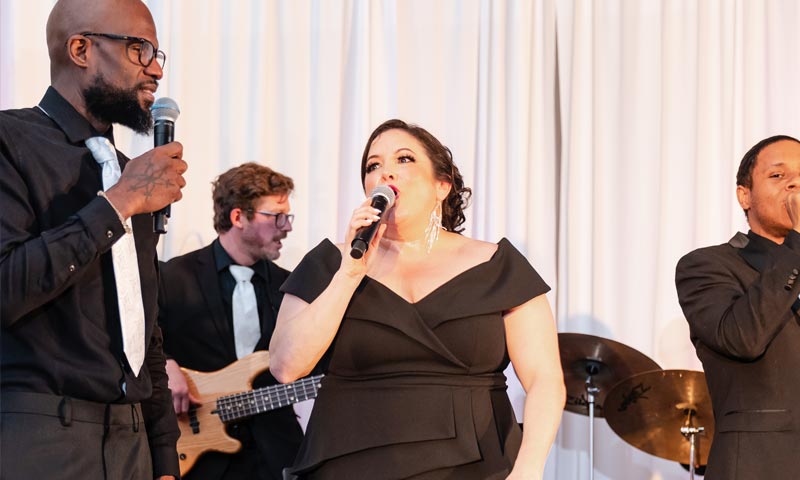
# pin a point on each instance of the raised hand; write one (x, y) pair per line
(793, 207)
(363, 216)
(150, 181)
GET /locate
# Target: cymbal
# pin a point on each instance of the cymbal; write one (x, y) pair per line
(607, 361)
(648, 410)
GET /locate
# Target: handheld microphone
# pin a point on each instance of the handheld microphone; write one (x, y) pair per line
(382, 199)
(165, 111)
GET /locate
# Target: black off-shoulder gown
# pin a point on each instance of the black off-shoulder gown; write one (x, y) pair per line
(416, 390)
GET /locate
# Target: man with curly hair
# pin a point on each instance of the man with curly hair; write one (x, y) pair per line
(200, 309)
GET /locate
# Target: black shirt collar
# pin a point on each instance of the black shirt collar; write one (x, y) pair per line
(761, 243)
(223, 261)
(74, 125)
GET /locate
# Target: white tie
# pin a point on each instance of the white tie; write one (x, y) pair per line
(246, 327)
(126, 267)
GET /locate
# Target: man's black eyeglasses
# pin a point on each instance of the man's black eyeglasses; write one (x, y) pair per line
(143, 50)
(281, 219)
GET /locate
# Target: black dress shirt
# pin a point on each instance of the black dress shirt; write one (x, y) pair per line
(59, 312)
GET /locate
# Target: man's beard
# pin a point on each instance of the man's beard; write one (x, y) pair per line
(110, 104)
(256, 248)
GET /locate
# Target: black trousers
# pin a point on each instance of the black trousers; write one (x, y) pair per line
(54, 437)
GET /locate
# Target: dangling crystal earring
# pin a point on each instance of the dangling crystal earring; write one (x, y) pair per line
(434, 227)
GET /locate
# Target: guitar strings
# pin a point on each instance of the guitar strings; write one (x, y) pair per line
(249, 403)
(231, 407)
(239, 405)
(280, 393)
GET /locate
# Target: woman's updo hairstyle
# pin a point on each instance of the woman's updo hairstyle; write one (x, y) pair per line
(443, 167)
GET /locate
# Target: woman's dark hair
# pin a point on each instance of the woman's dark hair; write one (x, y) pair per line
(443, 169)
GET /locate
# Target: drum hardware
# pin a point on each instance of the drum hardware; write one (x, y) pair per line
(666, 413)
(689, 431)
(592, 365)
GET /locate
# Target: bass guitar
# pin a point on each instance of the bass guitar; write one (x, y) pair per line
(226, 396)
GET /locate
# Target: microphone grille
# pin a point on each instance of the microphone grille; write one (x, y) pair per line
(384, 191)
(165, 108)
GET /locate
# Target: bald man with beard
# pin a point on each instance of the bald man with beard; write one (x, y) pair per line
(75, 402)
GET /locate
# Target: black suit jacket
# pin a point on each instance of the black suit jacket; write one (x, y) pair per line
(740, 299)
(199, 336)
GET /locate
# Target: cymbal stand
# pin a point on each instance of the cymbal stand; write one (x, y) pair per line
(689, 431)
(592, 390)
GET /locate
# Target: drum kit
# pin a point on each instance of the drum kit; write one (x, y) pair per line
(662, 412)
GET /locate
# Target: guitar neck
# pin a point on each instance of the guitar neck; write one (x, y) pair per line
(246, 404)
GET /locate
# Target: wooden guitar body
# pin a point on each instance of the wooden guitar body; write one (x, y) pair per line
(202, 430)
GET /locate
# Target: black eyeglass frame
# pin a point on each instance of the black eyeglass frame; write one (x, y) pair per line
(281, 218)
(134, 40)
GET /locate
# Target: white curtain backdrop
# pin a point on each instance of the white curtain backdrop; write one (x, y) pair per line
(601, 137)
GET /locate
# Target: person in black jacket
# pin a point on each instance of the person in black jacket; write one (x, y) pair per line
(84, 390)
(741, 301)
(200, 314)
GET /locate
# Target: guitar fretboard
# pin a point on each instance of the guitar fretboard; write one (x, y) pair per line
(246, 404)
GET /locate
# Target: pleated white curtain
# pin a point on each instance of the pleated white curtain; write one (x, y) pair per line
(601, 138)
(659, 100)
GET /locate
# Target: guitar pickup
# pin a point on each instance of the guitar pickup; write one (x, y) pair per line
(193, 421)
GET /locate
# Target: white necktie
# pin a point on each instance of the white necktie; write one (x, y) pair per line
(246, 327)
(126, 266)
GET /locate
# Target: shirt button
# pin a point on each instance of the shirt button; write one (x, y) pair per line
(72, 268)
(109, 234)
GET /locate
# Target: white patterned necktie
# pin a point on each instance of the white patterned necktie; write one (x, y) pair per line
(246, 327)
(126, 266)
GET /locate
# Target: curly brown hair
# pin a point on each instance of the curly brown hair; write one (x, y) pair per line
(241, 187)
(443, 167)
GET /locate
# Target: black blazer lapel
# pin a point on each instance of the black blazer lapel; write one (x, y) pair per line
(757, 257)
(275, 277)
(208, 280)
(750, 251)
